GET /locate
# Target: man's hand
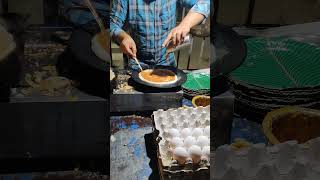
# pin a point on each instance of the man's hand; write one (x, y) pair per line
(127, 45)
(177, 35)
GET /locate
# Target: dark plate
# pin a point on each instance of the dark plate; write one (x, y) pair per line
(80, 45)
(231, 50)
(180, 75)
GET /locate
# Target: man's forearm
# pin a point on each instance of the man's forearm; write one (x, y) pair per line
(192, 19)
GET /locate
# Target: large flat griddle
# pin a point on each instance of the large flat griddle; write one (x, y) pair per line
(80, 45)
(79, 63)
(230, 50)
(179, 73)
(228, 53)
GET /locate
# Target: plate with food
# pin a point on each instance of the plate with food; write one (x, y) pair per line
(160, 77)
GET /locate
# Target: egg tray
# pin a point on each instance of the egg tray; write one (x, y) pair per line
(188, 172)
(169, 170)
(284, 161)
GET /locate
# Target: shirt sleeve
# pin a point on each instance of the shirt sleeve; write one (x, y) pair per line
(199, 6)
(118, 14)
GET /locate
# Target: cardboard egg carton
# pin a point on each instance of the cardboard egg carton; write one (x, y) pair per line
(184, 135)
(285, 161)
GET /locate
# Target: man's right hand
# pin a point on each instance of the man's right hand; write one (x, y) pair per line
(127, 45)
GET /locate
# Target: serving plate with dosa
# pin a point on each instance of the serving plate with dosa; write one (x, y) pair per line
(160, 77)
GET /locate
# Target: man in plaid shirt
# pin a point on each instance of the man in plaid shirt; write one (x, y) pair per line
(152, 27)
(83, 16)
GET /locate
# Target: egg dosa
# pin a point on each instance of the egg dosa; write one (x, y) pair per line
(158, 76)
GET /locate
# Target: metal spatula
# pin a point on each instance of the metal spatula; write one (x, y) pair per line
(138, 63)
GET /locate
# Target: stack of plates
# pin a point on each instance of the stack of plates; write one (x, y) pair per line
(277, 72)
(197, 84)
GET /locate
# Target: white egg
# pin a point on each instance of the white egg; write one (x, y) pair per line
(173, 132)
(176, 142)
(180, 154)
(203, 141)
(186, 132)
(207, 121)
(195, 153)
(197, 132)
(206, 151)
(195, 150)
(189, 141)
(207, 131)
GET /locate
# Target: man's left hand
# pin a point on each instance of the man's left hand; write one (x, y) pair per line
(177, 35)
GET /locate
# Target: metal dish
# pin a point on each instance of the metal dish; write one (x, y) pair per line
(180, 75)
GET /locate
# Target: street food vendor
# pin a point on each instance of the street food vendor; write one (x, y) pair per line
(151, 27)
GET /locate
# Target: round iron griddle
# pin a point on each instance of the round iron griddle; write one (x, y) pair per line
(79, 63)
(80, 45)
(180, 75)
(230, 52)
(10, 71)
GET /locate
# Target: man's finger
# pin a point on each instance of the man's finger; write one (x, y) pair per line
(129, 51)
(179, 39)
(134, 49)
(174, 38)
(165, 43)
(184, 34)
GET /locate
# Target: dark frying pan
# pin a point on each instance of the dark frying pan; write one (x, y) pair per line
(180, 75)
(230, 50)
(230, 53)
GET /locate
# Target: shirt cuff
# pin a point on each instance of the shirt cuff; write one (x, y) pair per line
(201, 8)
(115, 32)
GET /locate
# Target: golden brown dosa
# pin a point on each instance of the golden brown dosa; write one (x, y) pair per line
(158, 76)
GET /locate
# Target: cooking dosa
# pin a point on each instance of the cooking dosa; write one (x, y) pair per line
(158, 76)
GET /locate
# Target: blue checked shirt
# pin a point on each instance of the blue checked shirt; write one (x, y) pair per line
(81, 17)
(149, 23)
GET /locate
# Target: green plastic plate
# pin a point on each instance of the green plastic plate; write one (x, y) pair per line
(197, 82)
(279, 63)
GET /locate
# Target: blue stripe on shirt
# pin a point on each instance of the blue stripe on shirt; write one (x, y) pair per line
(149, 23)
